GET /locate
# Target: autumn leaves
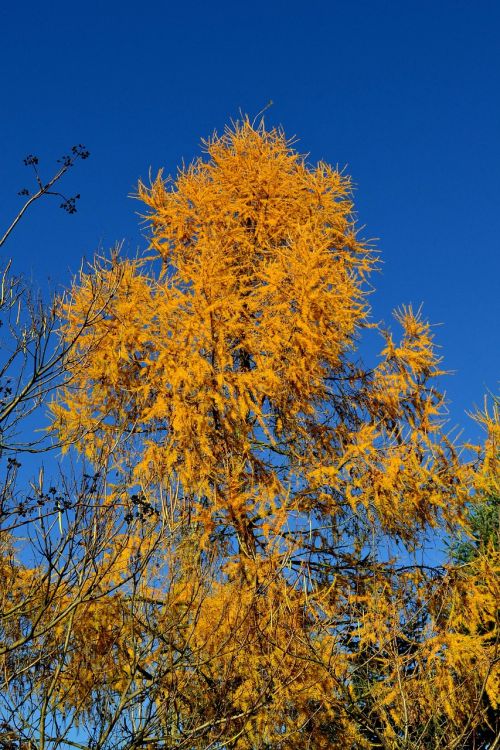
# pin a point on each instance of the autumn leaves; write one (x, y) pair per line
(265, 592)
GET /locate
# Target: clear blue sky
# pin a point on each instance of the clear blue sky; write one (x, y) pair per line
(404, 94)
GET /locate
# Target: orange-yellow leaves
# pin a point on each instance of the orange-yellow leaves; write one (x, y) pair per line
(487, 478)
(240, 348)
(222, 377)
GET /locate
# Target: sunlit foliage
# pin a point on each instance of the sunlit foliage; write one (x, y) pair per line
(284, 602)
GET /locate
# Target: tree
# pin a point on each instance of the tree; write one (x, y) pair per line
(480, 551)
(484, 520)
(61, 552)
(283, 604)
(34, 361)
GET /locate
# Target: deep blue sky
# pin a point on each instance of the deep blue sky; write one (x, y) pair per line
(405, 95)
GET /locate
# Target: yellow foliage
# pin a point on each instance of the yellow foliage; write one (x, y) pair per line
(223, 377)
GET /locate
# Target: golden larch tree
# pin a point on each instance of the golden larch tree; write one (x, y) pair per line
(224, 383)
